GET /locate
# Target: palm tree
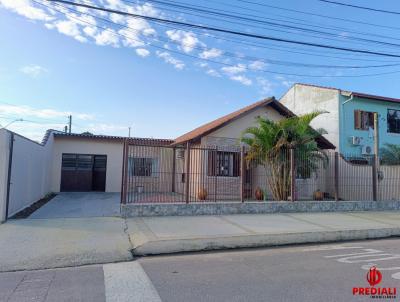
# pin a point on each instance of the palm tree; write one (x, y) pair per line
(269, 144)
(390, 154)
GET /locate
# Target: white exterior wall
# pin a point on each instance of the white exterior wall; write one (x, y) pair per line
(113, 150)
(30, 179)
(301, 99)
(4, 155)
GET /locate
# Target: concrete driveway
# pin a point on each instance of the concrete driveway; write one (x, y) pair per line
(76, 205)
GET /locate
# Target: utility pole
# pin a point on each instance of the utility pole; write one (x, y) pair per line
(375, 164)
(70, 123)
(129, 133)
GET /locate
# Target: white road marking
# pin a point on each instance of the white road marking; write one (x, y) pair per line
(331, 248)
(128, 281)
(364, 252)
(396, 276)
(369, 253)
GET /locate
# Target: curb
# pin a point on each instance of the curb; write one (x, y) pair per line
(170, 246)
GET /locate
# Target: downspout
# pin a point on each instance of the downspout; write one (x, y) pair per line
(10, 158)
(343, 122)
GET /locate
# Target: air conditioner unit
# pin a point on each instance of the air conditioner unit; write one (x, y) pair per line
(356, 140)
(367, 150)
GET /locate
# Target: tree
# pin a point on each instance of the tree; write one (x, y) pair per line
(269, 144)
(390, 154)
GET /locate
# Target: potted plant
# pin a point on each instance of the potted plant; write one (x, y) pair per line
(259, 194)
(202, 194)
(318, 195)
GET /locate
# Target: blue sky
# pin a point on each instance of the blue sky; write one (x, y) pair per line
(52, 65)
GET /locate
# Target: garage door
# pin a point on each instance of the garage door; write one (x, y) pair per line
(83, 173)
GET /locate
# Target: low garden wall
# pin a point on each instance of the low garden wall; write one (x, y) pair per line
(228, 208)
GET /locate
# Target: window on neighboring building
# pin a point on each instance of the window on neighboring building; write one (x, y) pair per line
(393, 121)
(221, 163)
(138, 166)
(363, 120)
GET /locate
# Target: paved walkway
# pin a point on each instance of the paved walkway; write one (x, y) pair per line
(27, 244)
(92, 204)
(158, 235)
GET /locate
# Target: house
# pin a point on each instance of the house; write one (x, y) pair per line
(349, 121)
(144, 169)
(203, 163)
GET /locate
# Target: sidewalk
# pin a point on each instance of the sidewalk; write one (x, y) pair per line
(28, 244)
(159, 235)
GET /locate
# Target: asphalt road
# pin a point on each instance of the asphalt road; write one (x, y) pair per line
(297, 273)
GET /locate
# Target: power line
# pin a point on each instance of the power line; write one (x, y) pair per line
(202, 59)
(228, 54)
(361, 7)
(248, 58)
(319, 25)
(216, 12)
(257, 36)
(318, 15)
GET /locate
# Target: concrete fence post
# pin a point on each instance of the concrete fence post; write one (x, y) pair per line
(187, 172)
(292, 175)
(242, 173)
(374, 179)
(336, 176)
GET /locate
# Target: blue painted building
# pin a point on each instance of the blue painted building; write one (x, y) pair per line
(349, 117)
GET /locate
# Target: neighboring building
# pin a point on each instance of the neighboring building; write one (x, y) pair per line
(349, 121)
(87, 162)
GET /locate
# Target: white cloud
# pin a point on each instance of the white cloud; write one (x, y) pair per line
(33, 70)
(232, 70)
(242, 79)
(283, 81)
(26, 9)
(213, 72)
(69, 28)
(187, 40)
(257, 65)
(91, 31)
(166, 56)
(22, 111)
(265, 86)
(142, 52)
(107, 37)
(211, 53)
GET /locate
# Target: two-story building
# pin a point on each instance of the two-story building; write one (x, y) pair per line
(349, 119)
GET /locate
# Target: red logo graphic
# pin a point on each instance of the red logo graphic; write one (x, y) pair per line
(374, 276)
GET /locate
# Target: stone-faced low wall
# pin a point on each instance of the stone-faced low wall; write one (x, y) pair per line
(228, 208)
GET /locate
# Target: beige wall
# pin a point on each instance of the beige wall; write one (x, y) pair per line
(113, 150)
(236, 127)
(302, 99)
(227, 138)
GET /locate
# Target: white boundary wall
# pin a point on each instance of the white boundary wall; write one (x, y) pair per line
(4, 151)
(30, 177)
